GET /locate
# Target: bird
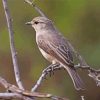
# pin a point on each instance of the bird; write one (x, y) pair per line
(55, 48)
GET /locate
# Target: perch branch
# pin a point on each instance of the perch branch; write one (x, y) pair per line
(36, 7)
(44, 74)
(82, 98)
(12, 46)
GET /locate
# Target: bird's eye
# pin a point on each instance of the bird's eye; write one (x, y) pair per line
(36, 22)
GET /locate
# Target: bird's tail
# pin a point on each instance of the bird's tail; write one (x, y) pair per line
(77, 81)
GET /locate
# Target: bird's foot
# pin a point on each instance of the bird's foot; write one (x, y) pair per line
(50, 69)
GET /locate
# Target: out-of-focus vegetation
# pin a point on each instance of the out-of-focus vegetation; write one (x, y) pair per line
(78, 20)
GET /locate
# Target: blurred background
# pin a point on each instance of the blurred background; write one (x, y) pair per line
(78, 20)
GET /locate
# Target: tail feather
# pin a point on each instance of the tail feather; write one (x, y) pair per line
(77, 81)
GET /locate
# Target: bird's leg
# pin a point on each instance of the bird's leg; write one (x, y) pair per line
(50, 69)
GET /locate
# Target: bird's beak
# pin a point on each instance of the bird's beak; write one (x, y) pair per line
(28, 23)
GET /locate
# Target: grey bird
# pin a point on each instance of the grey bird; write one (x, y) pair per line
(54, 47)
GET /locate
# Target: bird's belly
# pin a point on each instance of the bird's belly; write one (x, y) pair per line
(47, 56)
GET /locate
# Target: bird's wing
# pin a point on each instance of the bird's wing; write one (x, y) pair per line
(58, 51)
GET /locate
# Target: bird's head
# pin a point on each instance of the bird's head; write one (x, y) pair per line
(40, 23)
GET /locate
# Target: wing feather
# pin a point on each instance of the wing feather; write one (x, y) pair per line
(60, 52)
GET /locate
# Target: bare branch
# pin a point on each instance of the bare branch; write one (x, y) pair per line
(41, 78)
(4, 83)
(11, 96)
(82, 98)
(36, 7)
(11, 88)
(19, 96)
(43, 95)
(12, 46)
(15, 92)
(46, 71)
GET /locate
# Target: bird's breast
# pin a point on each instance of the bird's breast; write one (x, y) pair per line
(46, 56)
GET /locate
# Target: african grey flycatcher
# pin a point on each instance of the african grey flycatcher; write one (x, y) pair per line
(54, 47)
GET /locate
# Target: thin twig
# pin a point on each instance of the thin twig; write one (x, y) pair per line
(36, 7)
(38, 83)
(82, 98)
(43, 75)
(4, 83)
(12, 46)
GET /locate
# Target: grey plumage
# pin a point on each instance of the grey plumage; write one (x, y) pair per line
(54, 47)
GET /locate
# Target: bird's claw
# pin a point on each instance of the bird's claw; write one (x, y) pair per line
(49, 70)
